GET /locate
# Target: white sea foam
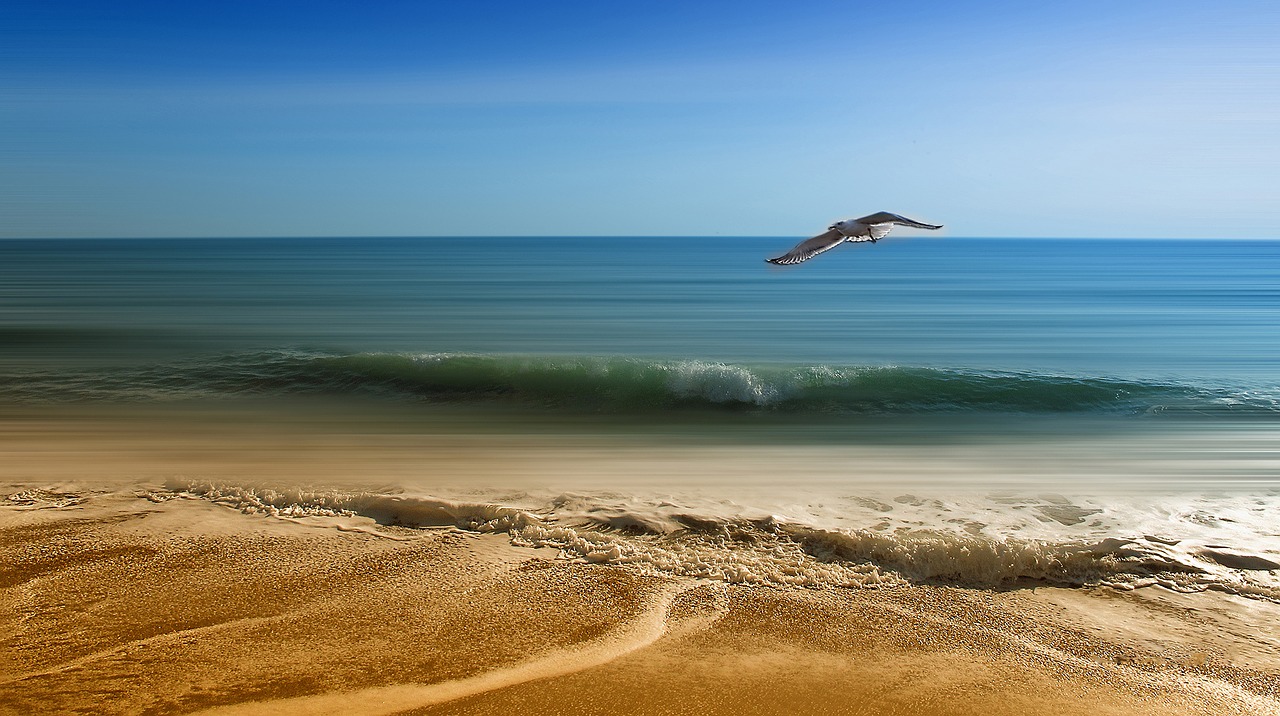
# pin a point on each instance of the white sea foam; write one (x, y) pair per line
(719, 383)
(989, 541)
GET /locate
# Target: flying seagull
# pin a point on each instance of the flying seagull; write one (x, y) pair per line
(869, 228)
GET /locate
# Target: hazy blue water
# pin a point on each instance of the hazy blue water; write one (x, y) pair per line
(1203, 312)
(1122, 308)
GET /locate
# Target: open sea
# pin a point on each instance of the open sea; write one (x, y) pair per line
(973, 411)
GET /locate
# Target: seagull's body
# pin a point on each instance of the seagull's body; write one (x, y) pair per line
(872, 227)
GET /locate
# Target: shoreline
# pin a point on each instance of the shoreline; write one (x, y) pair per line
(118, 595)
(117, 604)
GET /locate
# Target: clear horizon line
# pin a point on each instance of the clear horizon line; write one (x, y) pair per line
(612, 236)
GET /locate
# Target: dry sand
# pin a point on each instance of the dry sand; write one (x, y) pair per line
(116, 597)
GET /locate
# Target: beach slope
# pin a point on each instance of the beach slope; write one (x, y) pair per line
(136, 600)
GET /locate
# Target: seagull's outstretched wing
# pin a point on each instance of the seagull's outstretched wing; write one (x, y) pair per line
(878, 231)
(885, 217)
(809, 248)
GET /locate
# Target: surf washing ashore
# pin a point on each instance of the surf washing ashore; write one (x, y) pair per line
(428, 476)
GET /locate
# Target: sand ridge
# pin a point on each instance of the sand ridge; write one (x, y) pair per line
(378, 701)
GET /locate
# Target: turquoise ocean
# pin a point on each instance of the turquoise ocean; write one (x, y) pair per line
(965, 409)
(615, 324)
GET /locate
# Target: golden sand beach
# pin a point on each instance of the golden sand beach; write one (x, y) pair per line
(119, 595)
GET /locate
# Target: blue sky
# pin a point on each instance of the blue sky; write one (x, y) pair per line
(732, 118)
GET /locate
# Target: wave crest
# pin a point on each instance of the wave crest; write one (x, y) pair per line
(625, 384)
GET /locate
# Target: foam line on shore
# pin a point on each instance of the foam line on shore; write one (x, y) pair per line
(676, 541)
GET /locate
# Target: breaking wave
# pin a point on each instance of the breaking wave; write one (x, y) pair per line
(626, 384)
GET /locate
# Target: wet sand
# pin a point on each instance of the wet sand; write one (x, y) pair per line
(117, 596)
